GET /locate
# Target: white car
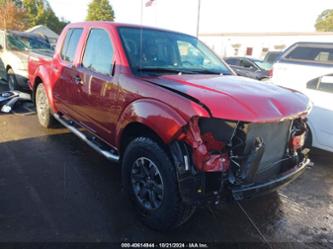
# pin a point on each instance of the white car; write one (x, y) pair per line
(308, 67)
(14, 52)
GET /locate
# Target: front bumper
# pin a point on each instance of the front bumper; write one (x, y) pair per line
(255, 189)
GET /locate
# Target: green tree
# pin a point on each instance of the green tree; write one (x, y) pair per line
(324, 21)
(100, 10)
(39, 12)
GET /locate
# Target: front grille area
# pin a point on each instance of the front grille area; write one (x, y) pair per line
(275, 137)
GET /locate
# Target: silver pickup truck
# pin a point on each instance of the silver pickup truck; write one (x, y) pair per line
(14, 52)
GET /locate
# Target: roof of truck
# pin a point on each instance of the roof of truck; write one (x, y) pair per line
(117, 24)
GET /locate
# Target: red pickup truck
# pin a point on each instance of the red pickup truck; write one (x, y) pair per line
(186, 131)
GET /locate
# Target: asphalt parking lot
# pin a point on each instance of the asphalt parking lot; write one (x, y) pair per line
(54, 188)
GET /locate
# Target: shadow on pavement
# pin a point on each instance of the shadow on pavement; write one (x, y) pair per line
(56, 189)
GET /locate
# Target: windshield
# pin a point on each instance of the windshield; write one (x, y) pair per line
(168, 52)
(21, 43)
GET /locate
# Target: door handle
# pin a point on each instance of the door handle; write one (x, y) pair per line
(78, 80)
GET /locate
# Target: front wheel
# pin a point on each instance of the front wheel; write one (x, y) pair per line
(150, 180)
(44, 112)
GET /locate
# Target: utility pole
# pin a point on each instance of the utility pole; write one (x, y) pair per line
(198, 17)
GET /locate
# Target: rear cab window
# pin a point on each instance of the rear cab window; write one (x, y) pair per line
(70, 45)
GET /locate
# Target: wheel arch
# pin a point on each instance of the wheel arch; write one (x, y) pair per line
(148, 117)
(37, 81)
(42, 77)
(134, 130)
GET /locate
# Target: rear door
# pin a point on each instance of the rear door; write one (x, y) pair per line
(65, 88)
(99, 85)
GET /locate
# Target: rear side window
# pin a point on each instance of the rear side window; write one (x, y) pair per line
(99, 52)
(70, 44)
(313, 54)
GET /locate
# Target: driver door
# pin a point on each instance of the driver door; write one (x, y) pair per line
(98, 86)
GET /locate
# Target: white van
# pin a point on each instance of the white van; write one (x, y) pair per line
(308, 67)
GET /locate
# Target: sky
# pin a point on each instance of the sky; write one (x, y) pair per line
(216, 16)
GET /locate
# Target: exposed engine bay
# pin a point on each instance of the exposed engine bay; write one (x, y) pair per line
(223, 154)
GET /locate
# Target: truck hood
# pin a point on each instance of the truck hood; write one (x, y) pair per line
(237, 98)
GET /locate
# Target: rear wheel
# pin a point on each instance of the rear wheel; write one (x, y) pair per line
(12, 81)
(44, 113)
(149, 178)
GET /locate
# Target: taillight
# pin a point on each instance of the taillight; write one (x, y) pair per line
(270, 72)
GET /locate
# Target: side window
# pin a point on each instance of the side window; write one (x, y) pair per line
(246, 63)
(233, 61)
(324, 84)
(315, 54)
(326, 87)
(70, 44)
(99, 52)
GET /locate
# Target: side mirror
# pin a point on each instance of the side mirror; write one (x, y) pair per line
(1, 47)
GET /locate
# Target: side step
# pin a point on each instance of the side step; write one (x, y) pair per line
(109, 153)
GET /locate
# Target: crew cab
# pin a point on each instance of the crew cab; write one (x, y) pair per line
(186, 131)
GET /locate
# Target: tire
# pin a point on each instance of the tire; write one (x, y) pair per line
(12, 81)
(158, 204)
(43, 109)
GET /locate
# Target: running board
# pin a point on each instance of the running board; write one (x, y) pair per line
(93, 144)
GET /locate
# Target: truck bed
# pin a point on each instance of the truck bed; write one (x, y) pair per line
(37, 58)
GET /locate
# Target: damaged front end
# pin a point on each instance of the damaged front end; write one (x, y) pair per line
(216, 158)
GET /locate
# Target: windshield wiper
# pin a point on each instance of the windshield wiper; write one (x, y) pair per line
(206, 71)
(179, 70)
(164, 70)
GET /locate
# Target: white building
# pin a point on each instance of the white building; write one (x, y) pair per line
(258, 44)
